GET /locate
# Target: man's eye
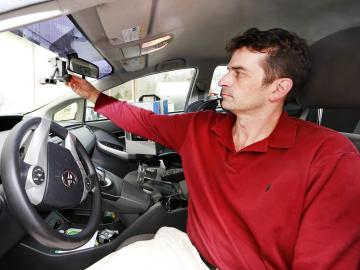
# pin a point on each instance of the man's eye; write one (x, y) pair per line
(239, 73)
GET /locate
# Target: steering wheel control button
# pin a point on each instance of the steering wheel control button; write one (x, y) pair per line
(69, 179)
(38, 175)
(87, 184)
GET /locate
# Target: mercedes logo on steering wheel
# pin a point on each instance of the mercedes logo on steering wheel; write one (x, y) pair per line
(69, 178)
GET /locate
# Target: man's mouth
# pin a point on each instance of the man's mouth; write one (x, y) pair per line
(224, 95)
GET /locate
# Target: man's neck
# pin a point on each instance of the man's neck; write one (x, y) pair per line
(253, 127)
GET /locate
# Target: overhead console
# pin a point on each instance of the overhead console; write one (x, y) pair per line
(132, 28)
(132, 40)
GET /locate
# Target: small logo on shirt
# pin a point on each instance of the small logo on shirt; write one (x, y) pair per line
(268, 186)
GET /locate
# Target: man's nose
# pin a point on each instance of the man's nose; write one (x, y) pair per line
(226, 80)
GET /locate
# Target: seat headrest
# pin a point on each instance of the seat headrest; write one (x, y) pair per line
(335, 76)
(208, 104)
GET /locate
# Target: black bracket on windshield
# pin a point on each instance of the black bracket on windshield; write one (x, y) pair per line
(59, 72)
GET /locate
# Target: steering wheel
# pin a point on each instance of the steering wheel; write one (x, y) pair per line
(36, 172)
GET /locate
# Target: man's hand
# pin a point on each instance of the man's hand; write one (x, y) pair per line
(83, 88)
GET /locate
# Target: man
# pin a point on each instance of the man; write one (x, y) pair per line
(266, 191)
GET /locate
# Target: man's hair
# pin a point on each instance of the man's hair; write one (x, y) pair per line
(288, 54)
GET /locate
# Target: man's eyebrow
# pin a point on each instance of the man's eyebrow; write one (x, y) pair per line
(237, 68)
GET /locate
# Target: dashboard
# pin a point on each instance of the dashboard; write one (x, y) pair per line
(89, 137)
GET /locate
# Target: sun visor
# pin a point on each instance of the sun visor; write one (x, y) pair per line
(133, 24)
(19, 13)
(335, 75)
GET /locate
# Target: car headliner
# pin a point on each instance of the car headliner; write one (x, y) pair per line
(200, 28)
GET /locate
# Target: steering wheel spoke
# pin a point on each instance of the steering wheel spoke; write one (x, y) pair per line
(70, 144)
(35, 184)
(36, 157)
(36, 153)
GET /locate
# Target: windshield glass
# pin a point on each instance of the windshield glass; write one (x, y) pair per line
(25, 53)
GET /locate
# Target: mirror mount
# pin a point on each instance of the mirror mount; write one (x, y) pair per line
(73, 64)
(59, 72)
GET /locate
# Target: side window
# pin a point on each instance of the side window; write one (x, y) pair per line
(171, 85)
(90, 114)
(219, 72)
(67, 113)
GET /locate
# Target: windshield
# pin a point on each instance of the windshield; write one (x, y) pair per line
(25, 53)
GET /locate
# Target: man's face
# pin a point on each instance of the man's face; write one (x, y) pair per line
(242, 87)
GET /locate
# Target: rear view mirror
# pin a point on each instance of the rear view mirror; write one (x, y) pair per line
(83, 67)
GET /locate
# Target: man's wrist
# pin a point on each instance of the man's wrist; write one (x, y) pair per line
(93, 97)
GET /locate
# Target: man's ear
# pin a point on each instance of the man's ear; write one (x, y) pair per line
(281, 88)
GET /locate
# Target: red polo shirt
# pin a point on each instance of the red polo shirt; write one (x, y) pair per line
(290, 201)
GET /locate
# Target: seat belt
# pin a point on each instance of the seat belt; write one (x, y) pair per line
(304, 115)
(357, 128)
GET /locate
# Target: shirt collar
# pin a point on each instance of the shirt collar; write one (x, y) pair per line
(283, 136)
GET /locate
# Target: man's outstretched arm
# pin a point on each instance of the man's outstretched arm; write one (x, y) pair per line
(166, 130)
